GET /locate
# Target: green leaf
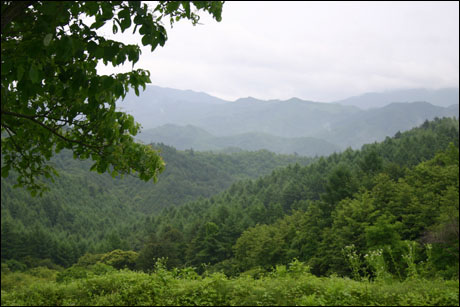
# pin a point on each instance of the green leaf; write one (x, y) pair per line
(5, 170)
(92, 46)
(124, 14)
(138, 20)
(93, 167)
(146, 40)
(91, 7)
(172, 6)
(125, 24)
(97, 24)
(118, 89)
(186, 6)
(20, 72)
(99, 52)
(47, 39)
(6, 67)
(107, 82)
(33, 74)
(107, 10)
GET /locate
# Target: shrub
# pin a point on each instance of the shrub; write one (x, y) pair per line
(120, 259)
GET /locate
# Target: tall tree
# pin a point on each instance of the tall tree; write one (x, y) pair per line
(52, 96)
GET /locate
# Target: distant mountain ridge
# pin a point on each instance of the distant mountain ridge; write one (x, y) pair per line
(158, 106)
(374, 125)
(252, 122)
(186, 137)
(444, 97)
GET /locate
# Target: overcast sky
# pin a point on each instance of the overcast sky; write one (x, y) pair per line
(322, 51)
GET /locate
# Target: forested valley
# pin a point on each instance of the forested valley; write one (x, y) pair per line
(375, 226)
(119, 190)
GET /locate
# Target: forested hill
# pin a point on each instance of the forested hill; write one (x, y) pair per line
(401, 191)
(82, 207)
(191, 174)
(377, 197)
(185, 137)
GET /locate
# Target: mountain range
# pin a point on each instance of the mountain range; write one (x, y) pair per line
(185, 137)
(443, 97)
(188, 119)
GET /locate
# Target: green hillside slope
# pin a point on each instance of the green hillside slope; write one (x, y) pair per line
(86, 211)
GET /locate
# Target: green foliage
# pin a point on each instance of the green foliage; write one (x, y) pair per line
(286, 285)
(53, 98)
(376, 261)
(120, 259)
(354, 260)
(89, 259)
(16, 279)
(14, 265)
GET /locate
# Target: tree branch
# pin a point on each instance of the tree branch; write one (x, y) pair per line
(14, 9)
(32, 118)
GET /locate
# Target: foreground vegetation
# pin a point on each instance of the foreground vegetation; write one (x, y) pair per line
(101, 284)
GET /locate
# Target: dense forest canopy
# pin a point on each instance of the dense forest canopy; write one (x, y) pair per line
(385, 216)
(83, 207)
(405, 185)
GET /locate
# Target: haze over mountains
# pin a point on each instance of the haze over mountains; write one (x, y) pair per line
(185, 137)
(444, 97)
(188, 119)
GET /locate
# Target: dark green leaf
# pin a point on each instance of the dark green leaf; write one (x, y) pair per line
(20, 72)
(47, 39)
(33, 74)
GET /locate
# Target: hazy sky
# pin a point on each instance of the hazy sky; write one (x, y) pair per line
(322, 51)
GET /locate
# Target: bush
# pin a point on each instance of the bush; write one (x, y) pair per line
(89, 259)
(120, 259)
(72, 273)
(16, 266)
(43, 272)
(285, 285)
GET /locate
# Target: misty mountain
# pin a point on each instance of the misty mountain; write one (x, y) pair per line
(375, 125)
(444, 97)
(281, 126)
(186, 137)
(158, 106)
(289, 118)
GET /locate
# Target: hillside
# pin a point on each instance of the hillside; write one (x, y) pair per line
(376, 124)
(193, 137)
(385, 216)
(84, 211)
(388, 192)
(91, 212)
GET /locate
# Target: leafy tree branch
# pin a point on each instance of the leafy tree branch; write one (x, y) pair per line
(52, 96)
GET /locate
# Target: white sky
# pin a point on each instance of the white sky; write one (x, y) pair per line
(321, 51)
